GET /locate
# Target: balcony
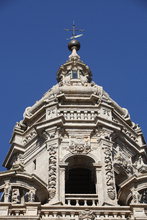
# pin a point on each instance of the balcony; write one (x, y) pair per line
(81, 199)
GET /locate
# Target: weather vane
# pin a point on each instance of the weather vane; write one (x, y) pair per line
(74, 30)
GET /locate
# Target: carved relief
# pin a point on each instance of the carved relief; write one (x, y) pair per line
(20, 125)
(15, 196)
(135, 196)
(129, 134)
(87, 215)
(140, 165)
(121, 160)
(29, 136)
(31, 195)
(48, 135)
(51, 112)
(18, 162)
(79, 145)
(143, 196)
(105, 113)
(109, 173)
(101, 133)
(52, 170)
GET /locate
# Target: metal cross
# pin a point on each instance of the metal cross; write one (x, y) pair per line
(74, 30)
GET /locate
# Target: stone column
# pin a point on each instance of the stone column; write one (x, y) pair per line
(62, 168)
(99, 183)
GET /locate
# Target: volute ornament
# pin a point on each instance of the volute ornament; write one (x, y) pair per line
(52, 171)
(109, 173)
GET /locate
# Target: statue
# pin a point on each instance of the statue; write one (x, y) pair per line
(7, 191)
(135, 196)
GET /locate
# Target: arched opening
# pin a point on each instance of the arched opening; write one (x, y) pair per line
(80, 175)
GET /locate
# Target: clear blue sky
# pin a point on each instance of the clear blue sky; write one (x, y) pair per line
(33, 45)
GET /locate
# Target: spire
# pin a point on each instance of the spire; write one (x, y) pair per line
(74, 71)
(74, 45)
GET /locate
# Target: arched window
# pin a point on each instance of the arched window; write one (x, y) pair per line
(80, 175)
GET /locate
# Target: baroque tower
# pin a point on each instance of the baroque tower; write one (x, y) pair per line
(76, 155)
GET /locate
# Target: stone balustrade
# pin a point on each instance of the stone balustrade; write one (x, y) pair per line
(79, 115)
(81, 199)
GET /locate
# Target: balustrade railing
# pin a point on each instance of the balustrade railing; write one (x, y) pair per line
(79, 115)
(81, 199)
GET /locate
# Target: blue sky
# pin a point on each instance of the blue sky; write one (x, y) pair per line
(33, 45)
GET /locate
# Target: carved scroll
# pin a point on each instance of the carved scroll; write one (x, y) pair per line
(52, 170)
(109, 173)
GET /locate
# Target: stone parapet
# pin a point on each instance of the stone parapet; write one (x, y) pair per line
(36, 211)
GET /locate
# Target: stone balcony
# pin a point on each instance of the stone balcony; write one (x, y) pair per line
(81, 199)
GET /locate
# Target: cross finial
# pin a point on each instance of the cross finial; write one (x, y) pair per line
(74, 30)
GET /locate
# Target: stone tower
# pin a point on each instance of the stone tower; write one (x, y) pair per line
(76, 155)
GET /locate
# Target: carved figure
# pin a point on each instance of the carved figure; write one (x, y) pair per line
(144, 196)
(122, 161)
(135, 196)
(31, 195)
(18, 162)
(87, 215)
(103, 134)
(7, 191)
(15, 195)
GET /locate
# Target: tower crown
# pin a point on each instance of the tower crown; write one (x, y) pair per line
(74, 70)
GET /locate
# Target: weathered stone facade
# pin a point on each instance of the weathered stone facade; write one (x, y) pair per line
(75, 155)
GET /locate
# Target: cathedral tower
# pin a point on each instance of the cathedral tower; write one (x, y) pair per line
(75, 155)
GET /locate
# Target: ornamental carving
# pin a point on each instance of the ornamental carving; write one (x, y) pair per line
(29, 136)
(52, 170)
(18, 162)
(31, 195)
(51, 112)
(120, 160)
(109, 173)
(103, 134)
(143, 196)
(140, 165)
(87, 215)
(7, 191)
(15, 196)
(136, 197)
(79, 145)
(48, 135)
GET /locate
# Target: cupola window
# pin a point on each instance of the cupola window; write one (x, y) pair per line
(74, 74)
